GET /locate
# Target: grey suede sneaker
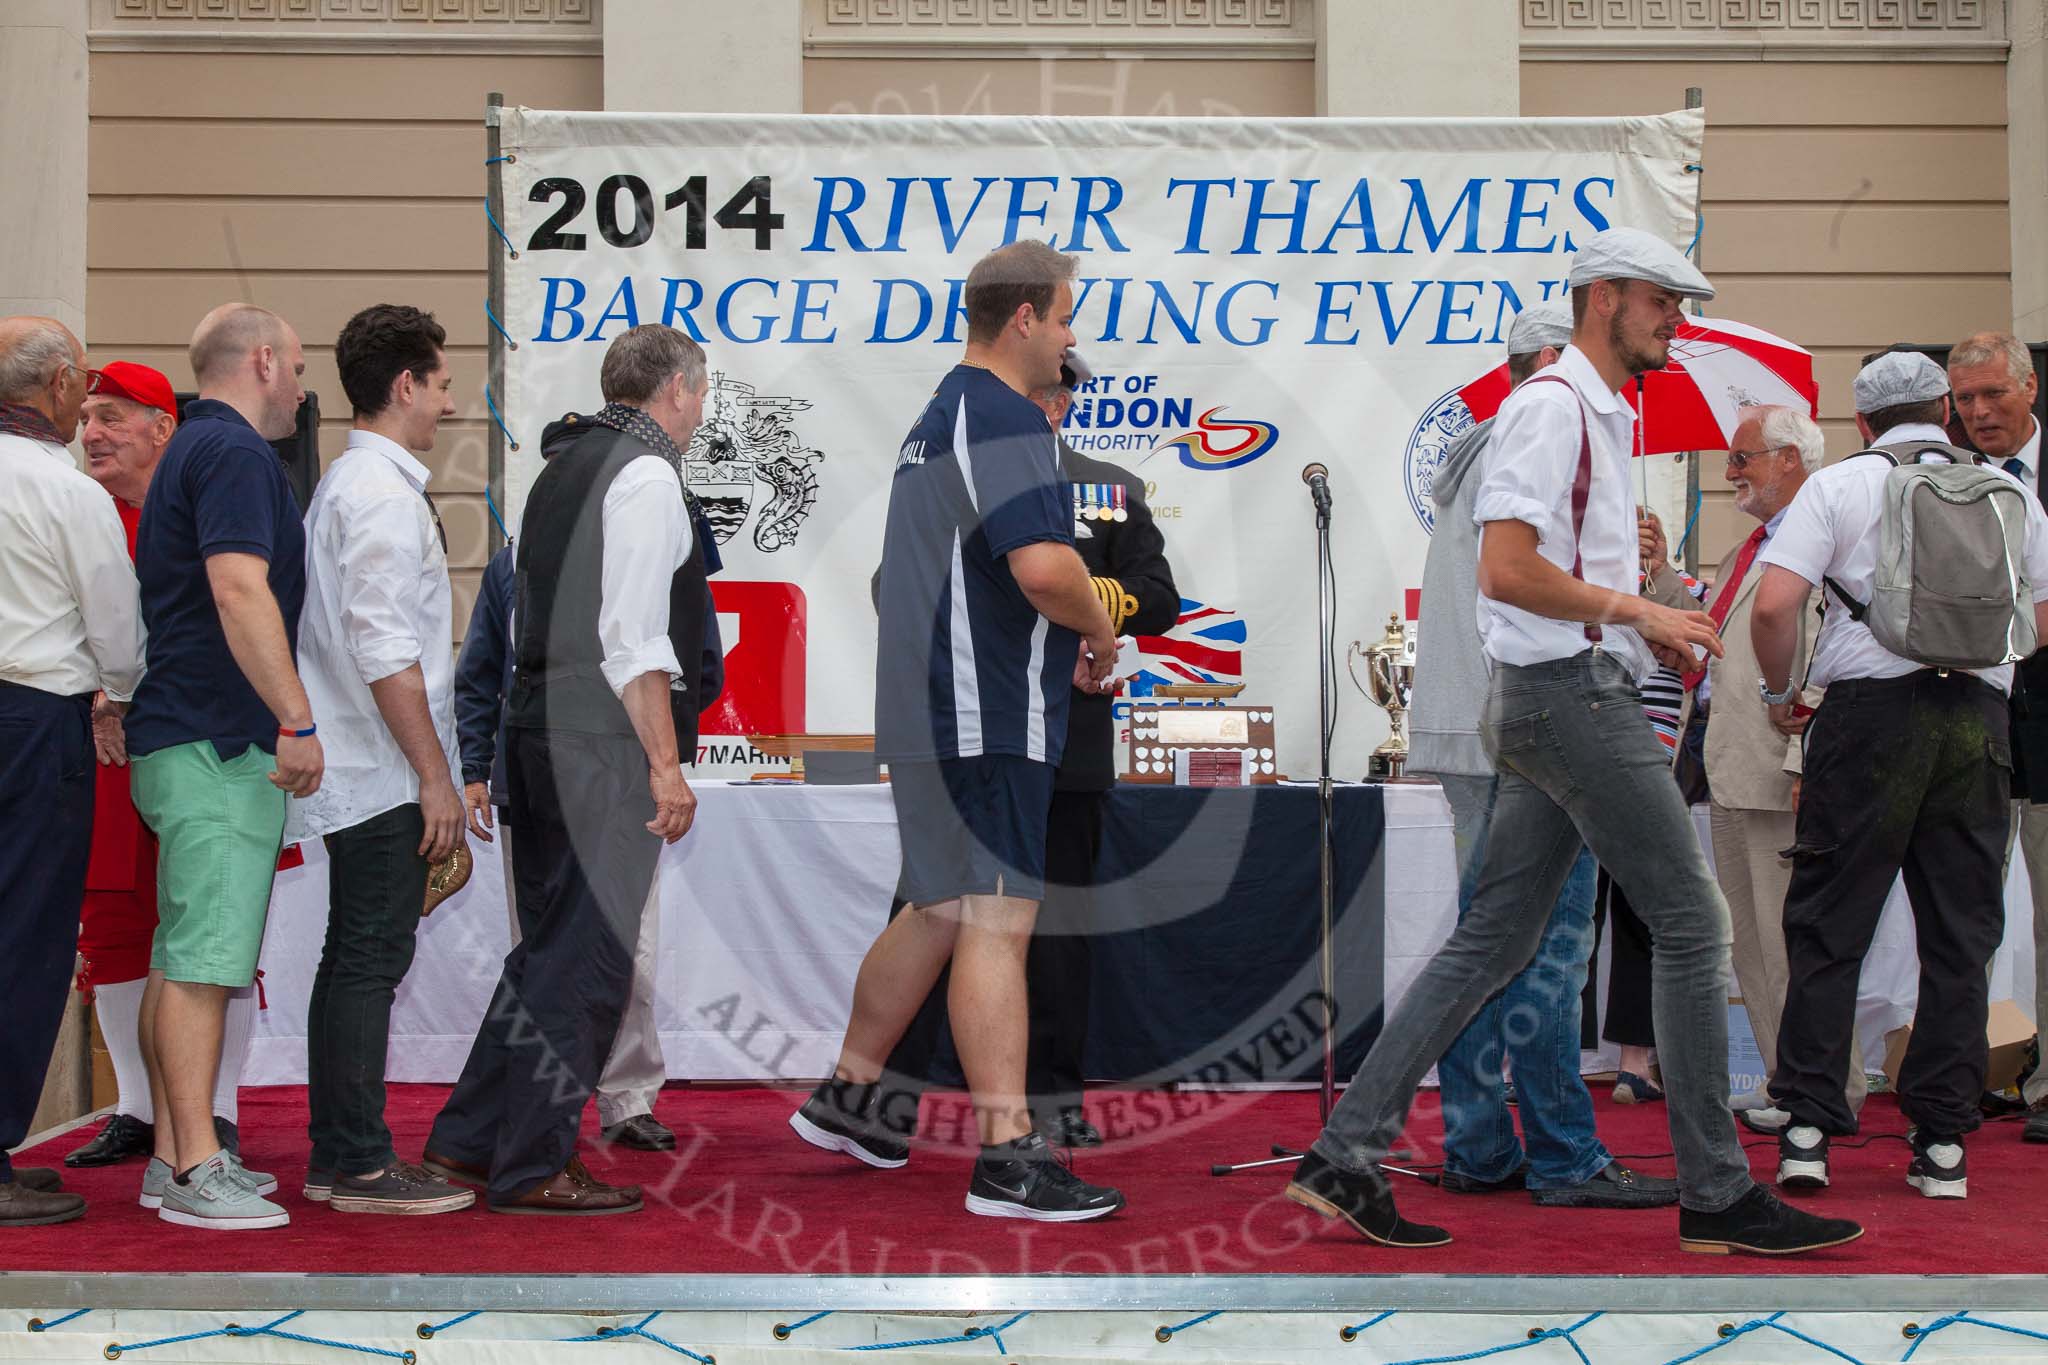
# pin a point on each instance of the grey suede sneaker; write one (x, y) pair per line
(215, 1196)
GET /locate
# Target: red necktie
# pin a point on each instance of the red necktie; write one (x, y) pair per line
(1731, 583)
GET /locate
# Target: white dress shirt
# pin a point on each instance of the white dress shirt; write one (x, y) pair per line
(377, 602)
(70, 618)
(1530, 464)
(646, 539)
(1756, 570)
(1831, 530)
(2029, 456)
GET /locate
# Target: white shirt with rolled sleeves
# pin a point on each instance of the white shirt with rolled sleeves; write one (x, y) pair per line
(646, 539)
(1831, 530)
(70, 621)
(377, 602)
(1531, 463)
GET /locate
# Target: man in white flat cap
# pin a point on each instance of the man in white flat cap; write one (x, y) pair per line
(1906, 767)
(1569, 636)
(1559, 1159)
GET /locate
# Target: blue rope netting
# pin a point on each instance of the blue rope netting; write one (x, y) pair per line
(1729, 1332)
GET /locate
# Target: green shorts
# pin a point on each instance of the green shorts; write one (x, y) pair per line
(219, 824)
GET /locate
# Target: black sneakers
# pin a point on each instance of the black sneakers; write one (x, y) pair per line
(1364, 1202)
(1802, 1157)
(1024, 1179)
(1939, 1169)
(840, 1117)
(1760, 1224)
(399, 1188)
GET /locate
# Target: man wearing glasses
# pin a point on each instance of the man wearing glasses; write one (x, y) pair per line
(69, 627)
(1991, 379)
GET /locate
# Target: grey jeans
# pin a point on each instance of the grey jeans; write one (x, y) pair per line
(1578, 761)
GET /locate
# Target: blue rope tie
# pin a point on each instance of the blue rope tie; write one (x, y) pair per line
(498, 326)
(497, 417)
(1563, 1334)
(1168, 1333)
(499, 230)
(994, 1333)
(1757, 1324)
(427, 1330)
(38, 1325)
(639, 1329)
(1921, 1334)
(492, 504)
(494, 160)
(1351, 1332)
(783, 1331)
(1691, 520)
(114, 1350)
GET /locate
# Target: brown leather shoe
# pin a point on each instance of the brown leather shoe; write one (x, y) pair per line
(22, 1207)
(448, 1168)
(42, 1179)
(572, 1191)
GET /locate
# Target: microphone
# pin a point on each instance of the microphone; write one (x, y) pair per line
(1317, 477)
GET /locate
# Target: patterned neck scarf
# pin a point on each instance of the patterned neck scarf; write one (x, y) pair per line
(636, 423)
(19, 419)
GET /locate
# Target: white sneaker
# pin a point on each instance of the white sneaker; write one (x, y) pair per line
(1802, 1158)
(217, 1197)
(1754, 1099)
(1768, 1120)
(1939, 1169)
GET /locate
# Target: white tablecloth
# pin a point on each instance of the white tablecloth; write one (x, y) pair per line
(769, 903)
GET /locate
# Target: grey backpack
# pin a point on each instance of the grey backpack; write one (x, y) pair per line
(1951, 588)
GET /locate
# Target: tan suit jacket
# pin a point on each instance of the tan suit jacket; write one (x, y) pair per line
(1749, 764)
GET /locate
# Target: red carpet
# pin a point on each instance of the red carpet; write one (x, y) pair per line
(744, 1195)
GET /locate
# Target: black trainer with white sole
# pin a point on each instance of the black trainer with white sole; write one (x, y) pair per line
(840, 1117)
(1026, 1179)
(1803, 1158)
(1939, 1168)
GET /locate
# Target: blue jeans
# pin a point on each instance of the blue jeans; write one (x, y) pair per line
(1535, 1019)
(1578, 765)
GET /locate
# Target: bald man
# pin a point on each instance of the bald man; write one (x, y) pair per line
(68, 629)
(219, 737)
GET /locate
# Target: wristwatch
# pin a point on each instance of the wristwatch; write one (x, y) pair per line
(1777, 698)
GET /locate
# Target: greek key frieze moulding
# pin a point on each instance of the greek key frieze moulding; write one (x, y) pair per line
(325, 25)
(1254, 28)
(1861, 30)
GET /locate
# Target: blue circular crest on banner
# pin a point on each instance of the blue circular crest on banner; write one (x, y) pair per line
(1443, 422)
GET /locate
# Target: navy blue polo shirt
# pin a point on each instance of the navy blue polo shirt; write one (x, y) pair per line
(220, 489)
(965, 665)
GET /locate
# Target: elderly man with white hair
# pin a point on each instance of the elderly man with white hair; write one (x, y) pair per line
(1752, 769)
(69, 627)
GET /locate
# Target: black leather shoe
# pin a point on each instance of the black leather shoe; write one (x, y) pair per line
(1614, 1186)
(1762, 1225)
(41, 1179)
(1456, 1182)
(2037, 1127)
(228, 1136)
(1364, 1202)
(121, 1139)
(1072, 1129)
(642, 1131)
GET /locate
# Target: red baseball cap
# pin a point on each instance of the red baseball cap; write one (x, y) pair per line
(138, 383)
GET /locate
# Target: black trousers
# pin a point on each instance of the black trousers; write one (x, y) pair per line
(581, 870)
(1907, 774)
(1056, 970)
(376, 883)
(46, 788)
(1627, 1020)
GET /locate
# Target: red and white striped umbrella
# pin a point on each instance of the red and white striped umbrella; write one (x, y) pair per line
(1717, 368)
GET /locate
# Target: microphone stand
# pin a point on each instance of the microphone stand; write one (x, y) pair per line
(1326, 673)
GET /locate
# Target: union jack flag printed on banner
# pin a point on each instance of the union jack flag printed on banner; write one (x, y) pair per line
(1205, 646)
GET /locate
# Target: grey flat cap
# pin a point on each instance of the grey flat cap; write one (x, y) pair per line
(1622, 253)
(1074, 371)
(1540, 325)
(1898, 377)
